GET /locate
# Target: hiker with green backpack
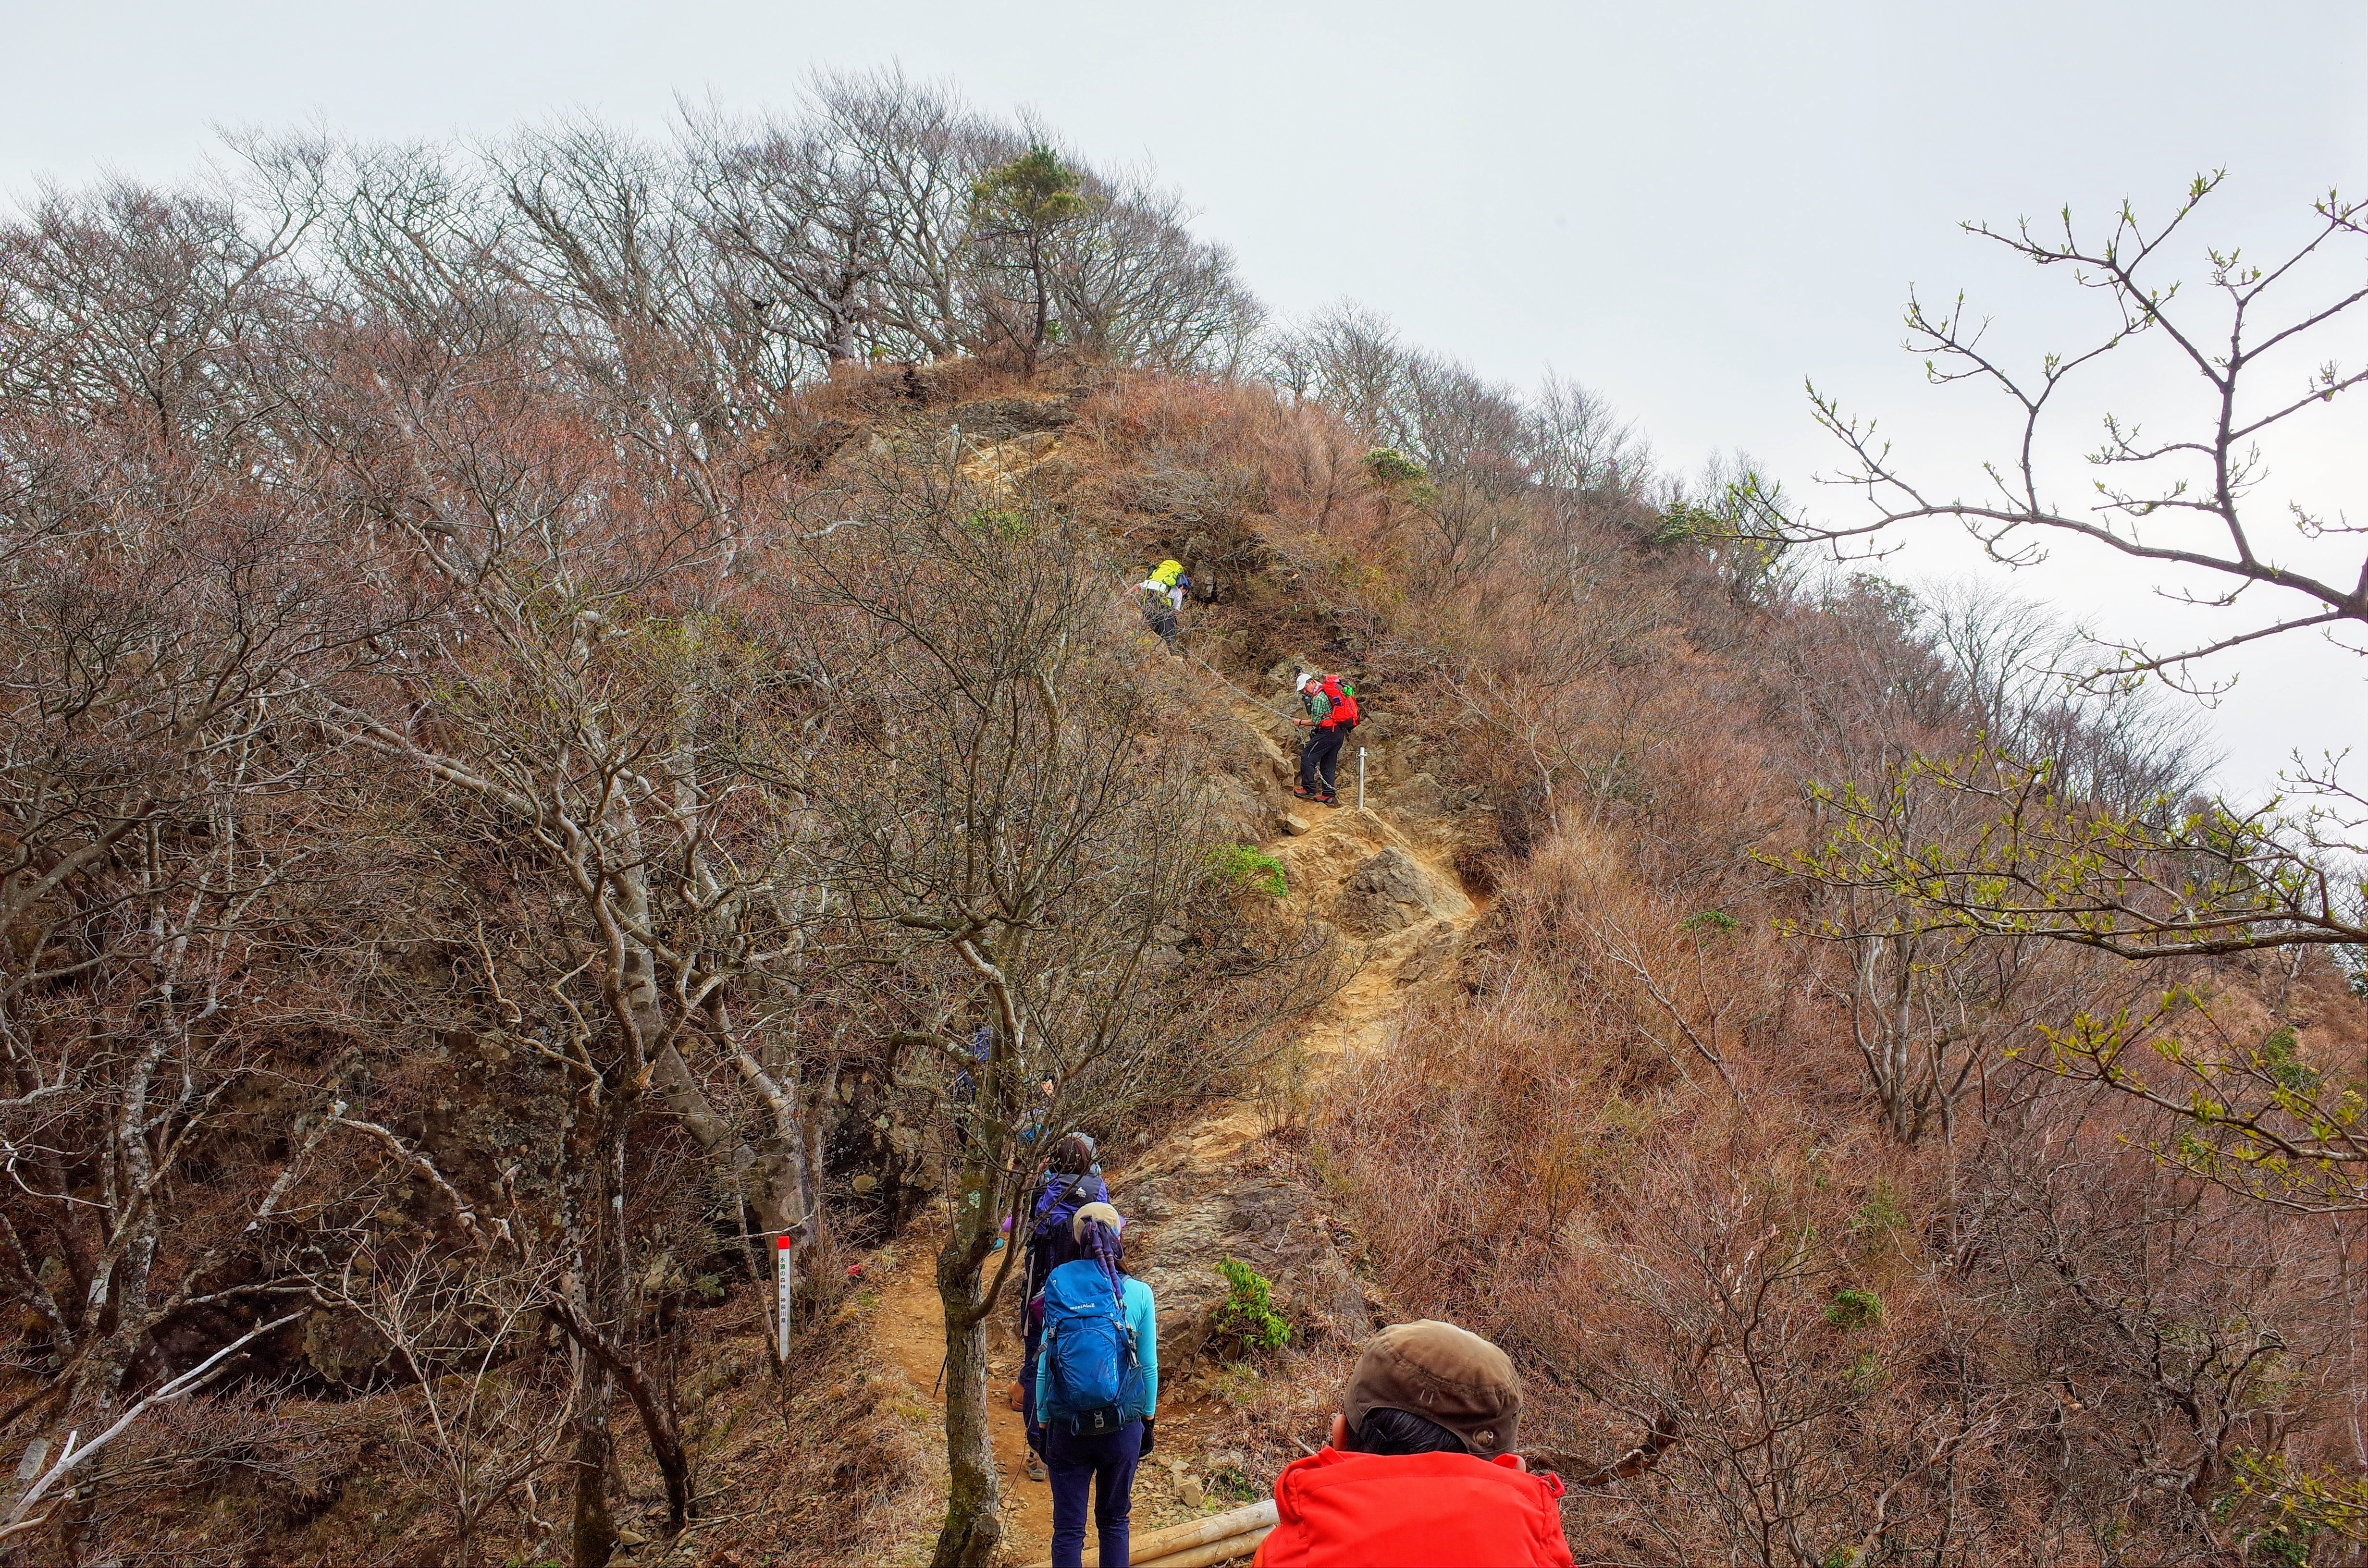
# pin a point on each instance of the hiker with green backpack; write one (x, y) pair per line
(1096, 1387)
(1331, 704)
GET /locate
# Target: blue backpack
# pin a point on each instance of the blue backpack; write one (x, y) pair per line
(1089, 1351)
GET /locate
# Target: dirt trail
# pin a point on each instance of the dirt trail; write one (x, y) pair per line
(910, 1333)
(1385, 878)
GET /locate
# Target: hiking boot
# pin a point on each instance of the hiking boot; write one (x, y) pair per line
(1324, 801)
(1035, 1466)
(1307, 794)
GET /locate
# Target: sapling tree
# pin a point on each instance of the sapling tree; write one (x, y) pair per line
(2187, 501)
(1015, 212)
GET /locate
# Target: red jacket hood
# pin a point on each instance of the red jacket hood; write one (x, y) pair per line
(1337, 1510)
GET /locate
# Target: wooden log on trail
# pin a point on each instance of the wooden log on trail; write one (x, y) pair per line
(1189, 1545)
(1234, 1548)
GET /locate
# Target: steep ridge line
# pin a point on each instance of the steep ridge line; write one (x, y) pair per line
(1385, 878)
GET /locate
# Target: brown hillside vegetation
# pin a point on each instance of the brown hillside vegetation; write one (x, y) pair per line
(573, 713)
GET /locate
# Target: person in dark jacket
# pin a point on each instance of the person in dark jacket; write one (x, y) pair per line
(1071, 1179)
(1421, 1467)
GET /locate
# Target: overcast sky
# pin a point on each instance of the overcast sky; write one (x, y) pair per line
(1688, 206)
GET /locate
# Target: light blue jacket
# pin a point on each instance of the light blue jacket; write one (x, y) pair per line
(1143, 1319)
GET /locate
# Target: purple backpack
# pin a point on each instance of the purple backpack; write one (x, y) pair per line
(1049, 1244)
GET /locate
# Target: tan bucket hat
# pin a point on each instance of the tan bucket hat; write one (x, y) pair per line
(1444, 1374)
(1102, 1212)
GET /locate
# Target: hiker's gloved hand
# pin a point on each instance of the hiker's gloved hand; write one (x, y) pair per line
(1150, 1434)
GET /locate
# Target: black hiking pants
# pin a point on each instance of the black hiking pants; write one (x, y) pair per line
(1319, 759)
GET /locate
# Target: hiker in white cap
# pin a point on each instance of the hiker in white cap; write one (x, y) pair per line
(1331, 707)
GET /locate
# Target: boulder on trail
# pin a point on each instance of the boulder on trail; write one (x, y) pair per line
(1258, 1210)
(1388, 892)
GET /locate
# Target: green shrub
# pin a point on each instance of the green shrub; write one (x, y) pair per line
(1247, 866)
(1882, 1213)
(1854, 1308)
(1390, 466)
(1246, 1316)
(1228, 1481)
(2285, 1069)
(2281, 1547)
(1681, 524)
(1009, 526)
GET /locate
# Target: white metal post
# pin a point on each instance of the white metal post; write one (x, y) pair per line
(782, 1279)
(1360, 778)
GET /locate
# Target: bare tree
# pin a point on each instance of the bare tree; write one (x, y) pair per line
(578, 701)
(166, 806)
(919, 147)
(1577, 441)
(1020, 851)
(1466, 438)
(2121, 748)
(1131, 286)
(802, 220)
(461, 1334)
(2149, 489)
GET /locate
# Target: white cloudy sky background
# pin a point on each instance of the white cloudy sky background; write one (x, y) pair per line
(1688, 206)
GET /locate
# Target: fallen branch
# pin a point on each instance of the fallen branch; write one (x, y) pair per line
(1220, 1537)
(1575, 1472)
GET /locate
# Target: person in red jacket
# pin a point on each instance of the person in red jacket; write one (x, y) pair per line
(1421, 1471)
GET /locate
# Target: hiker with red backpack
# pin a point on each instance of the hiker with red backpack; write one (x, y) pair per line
(1421, 1467)
(1072, 1180)
(1096, 1387)
(1331, 705)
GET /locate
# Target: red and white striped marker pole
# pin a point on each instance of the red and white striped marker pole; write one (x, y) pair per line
(782, 1246)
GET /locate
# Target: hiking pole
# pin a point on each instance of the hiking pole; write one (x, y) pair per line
(1360, 778)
